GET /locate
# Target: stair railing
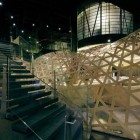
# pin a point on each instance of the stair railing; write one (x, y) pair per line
(28, 126)
(20, 54)
(5, 86)
(5, 93)
(77, 110)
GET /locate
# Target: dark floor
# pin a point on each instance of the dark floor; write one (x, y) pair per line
(102, 136)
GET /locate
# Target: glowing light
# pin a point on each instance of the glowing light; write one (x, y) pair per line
(14, 24)
(109, 40)
(1, 3)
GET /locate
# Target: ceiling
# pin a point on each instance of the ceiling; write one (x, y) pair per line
(55, 13)
(39, 11)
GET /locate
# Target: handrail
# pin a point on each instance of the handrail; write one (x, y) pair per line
(61, 95)
(5, 100)
(27, 126)
(65, 99)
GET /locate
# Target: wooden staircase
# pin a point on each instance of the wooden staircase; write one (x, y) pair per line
(32, 111)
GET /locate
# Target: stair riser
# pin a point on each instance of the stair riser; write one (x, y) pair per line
(20, 71)
(14, 77)
(17, 95)
(18, 67)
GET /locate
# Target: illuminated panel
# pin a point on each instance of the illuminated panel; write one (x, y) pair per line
(103, 18)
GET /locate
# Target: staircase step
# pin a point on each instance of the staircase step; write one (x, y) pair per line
(14, 77)
(14, 84)
(17, 92)
(51, 128)
(21, 111)
(11, 62)
(17, 67)
(28, 98)
(38, 119)
(20, 71)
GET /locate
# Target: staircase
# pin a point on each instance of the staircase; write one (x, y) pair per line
(29, 108)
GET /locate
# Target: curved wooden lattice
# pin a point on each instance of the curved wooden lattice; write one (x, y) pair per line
(103, 80)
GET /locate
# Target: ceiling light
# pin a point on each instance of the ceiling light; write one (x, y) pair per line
(14, 24)
(1, 4)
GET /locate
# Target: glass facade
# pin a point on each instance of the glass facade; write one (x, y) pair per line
(103, 18)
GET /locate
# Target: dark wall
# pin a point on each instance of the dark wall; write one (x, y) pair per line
(4, 26)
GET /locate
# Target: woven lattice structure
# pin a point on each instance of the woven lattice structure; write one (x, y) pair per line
(103, 80)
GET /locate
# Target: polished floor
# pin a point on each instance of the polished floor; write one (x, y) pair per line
(102, 136)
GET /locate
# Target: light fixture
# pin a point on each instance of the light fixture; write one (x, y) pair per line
(59, 29)
(109, 40)
(29, 37)
(47, 26)
(1, 3)
(12, 17)
(14, 24)
(22, 31)
(33, 24)
(69, 31)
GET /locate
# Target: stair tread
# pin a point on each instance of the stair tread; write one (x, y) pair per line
(21, 110)
(22, 75)
(23, 91)
(27, 98)
(20, 70)
(38, 118)
(50, 129)
(18, 67)
(24, 82)
(35, 87)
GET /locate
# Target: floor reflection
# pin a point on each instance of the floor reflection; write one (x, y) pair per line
(95, 135)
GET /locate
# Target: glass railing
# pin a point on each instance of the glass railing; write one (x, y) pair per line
(16, 95)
